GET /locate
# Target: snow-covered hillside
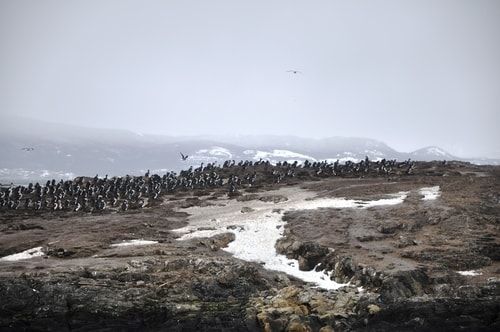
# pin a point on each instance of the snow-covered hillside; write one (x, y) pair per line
(31, 153)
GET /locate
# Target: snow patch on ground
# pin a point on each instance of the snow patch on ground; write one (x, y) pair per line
(134, 243)
(257, 231)
(430, 193)
(27, 254)
(471, 273)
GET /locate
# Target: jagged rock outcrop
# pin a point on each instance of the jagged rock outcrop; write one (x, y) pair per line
(308, 254)
(403, 285)
(177, 294)
(343, 269)
(305, 309)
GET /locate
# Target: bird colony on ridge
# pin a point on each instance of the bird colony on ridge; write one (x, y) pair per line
(87, 194)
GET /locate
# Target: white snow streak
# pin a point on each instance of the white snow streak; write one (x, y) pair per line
(134, 243)
(430, 193)
(257, 231)
(30, 253)
(471, 273)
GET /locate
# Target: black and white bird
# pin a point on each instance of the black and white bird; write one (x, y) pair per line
(184, 157)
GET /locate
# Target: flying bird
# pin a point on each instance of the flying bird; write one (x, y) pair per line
(294, 71)
(184, 157)
(28, 149)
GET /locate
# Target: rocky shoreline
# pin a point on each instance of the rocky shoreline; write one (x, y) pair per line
(419, 265)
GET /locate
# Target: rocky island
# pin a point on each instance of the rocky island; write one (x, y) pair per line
(250, 246)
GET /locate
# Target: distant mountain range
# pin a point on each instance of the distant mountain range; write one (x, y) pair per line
(33, 150)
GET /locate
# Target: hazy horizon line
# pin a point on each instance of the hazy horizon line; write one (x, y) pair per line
(226, 137)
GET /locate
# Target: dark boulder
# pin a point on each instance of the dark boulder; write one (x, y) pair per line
(308, 254)
(404, 284)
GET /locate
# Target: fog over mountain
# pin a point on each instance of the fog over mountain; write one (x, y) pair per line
(34, 150)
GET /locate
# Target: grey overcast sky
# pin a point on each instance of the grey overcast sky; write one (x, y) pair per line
(409, 73)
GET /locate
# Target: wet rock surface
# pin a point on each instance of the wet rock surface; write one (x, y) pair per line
(424, 264)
